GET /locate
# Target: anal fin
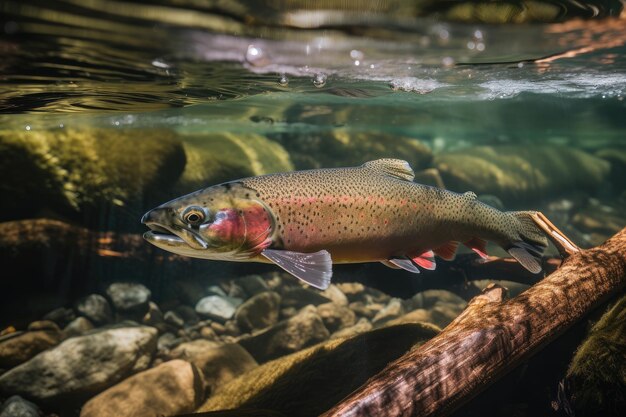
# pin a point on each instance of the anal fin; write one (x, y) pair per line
(478, 245)
(447, 251)
(425, 260)
(316, 269)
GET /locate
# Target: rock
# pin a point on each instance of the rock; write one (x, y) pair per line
(361, 326)
(96, 308)
(16, 406)
(336, 316)
(77, 327)
(219, 363)
(71, 170)
(218, 157)
(44, 325)
(167, 341)
(427, 299)
(252, 284)
(174, 319)
(171, 388)
(392, 310)
(334, 294)
(416, 316)
(19, 347)
(299, 297)
(207, 332)
(61, 316)
(82, 366)
(311, 381)
(352, 290)
(189, 350)
(258, 312)
(231, 328)
(302, 330)
(521, 173)
(218, 307)
(129, 299)
(154, 317)
(596, 377)
(341, 148)
(368, 310)
(188, 314)
(617, 158)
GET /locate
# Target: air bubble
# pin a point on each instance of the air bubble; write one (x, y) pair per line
(471, 45)
(447, 61)
(478, 34)
(256, 56)
(283, 81)
(319, 80)
(356, 55)
(27, 127)
(480, 46)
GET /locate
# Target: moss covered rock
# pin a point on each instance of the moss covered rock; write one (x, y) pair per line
(311, 381)
(219, 157)
(71, 170)
(340, 148)
(521, 173)
(597, 373)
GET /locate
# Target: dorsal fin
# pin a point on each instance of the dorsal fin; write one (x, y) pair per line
(397, 168)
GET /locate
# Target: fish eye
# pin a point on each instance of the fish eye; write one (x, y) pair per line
(194, 215)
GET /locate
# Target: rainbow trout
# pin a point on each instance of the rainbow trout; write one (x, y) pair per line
(304, 221)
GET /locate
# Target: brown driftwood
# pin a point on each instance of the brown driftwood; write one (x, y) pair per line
(491, 337)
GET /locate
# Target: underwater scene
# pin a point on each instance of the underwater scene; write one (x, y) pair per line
(305, 208)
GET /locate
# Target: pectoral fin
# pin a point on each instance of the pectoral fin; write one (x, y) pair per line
(315, 268)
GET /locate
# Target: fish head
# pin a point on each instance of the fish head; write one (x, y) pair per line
(223, 222)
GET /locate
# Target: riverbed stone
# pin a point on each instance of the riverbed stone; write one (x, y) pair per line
(334, 294)
(129, 298)
(299, 297)
(361, 326)
(252, 284)
(427, 299)
(78, 327)
(341, 148)
(16, 406)
(336, 316)
(173, 387)
(221, 308)
(82, 366)
(219, 363)
(302, 330)
(311, 381)
(521, 173)
(96, 308)
(259, 312)
(61, 316)
(217, 157)
(392, 310)
(72, 170)
(19, 347)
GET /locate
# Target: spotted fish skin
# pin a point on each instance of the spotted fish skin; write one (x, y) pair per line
(305, 221)
(370, 213)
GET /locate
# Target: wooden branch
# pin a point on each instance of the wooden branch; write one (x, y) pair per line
(489, 338)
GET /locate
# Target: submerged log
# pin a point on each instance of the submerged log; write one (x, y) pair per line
(490, 337)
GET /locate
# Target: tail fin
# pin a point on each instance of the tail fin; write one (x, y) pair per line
(529, 249)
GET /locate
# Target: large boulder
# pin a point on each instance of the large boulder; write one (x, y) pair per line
(173, 387)
(71, 170)
(129, 298)
(596, 377)
(521, 173)
(82, 366)
(309, 382)
(302, 330)
(340, 148)
(219, 363)
(218, 157)
(96, 308)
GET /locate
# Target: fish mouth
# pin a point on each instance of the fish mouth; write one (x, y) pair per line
(173, 237)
